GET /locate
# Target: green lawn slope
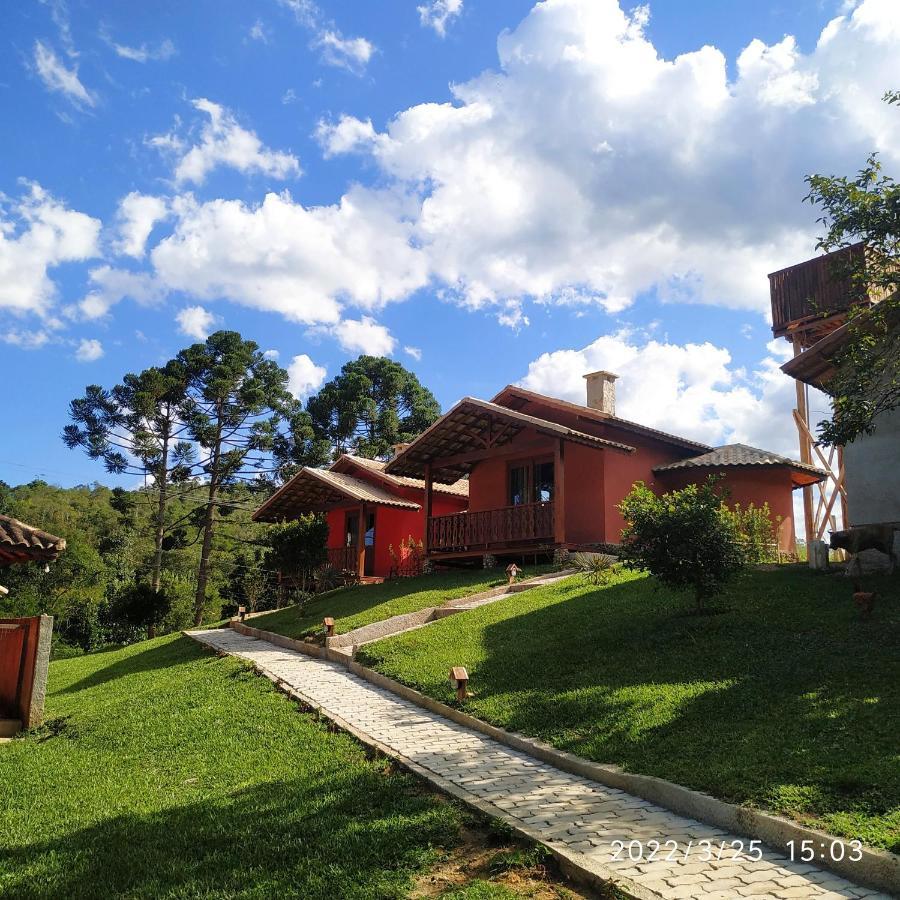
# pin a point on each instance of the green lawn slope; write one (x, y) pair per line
(164, 771)
(353, 607)
(788, 700)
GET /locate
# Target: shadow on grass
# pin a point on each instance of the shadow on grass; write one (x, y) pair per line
(155, 656)
(340, 835)
(788, 700)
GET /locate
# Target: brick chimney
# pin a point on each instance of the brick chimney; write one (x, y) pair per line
(601, 392)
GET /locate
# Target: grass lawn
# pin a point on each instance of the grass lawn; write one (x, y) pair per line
(163, 770)
(787, 701)
(360, 605)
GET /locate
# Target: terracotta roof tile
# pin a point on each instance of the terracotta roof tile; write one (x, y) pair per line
(19, 541)
(457, 489)
(740, 455)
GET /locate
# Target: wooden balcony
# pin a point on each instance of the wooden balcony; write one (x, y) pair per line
(344, 559)
(491, 529)
(811, 298)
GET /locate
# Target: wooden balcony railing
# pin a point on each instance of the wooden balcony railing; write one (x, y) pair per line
(344, 559)
(491, 528)
(817, 288)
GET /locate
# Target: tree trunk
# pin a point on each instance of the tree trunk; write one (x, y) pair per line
(209, 523)
(162, 487)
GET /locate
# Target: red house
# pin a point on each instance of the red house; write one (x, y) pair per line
(545, 473)
(368, 510)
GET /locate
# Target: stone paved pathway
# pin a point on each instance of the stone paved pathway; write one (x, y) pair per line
(581, 818)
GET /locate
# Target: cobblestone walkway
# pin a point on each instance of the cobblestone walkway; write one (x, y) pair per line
(581, 818)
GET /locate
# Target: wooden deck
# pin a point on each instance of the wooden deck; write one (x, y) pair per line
(491, 529)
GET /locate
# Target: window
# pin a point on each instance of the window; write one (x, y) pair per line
(531, 483)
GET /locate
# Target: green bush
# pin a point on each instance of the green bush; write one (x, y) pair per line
(596, 568)
(687, 539)
(757, 531)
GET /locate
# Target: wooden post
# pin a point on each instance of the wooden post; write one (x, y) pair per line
(559, 492)
(426, 508)
(361, 541)
(845, 513)
(805, 451)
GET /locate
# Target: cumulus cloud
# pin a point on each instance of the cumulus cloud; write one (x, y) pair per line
(109, 285)
(196, 322)
(26, 340)
(60, 79)
(223, 142)
(38, 233)
(414, 352)
(589, 168)
(693, 390)
(438, 13)
(137, 215)
(364, 335)
(271, 354)
(304, 376)
(88, 350)
(304, 263)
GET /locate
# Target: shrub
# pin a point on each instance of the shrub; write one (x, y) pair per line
(757, 531)
(687, 539)
(407, 560)
(298, 548)
(597, 568)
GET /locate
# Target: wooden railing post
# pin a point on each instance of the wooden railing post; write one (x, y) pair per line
(361, 542)
(559, 492)
(426, 509)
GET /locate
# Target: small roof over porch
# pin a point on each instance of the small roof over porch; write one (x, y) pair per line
(21, 543)
(477, 429)
(319, 490)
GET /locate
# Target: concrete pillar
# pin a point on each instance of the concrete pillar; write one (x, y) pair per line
(817, 553)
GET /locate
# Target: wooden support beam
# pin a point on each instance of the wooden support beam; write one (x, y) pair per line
(559, 492)
(458, 459)
(426, 507)
(361, 541)
(802, 413)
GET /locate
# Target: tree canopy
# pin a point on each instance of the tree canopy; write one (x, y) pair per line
(863, 208)
(371, 405)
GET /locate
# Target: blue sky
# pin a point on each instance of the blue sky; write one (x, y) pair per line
(488, 191)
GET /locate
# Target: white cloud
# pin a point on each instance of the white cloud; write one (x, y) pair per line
(109, 286)
(364, 335)
(590, 168)
(258, 32)
(271, 354)
(347, 135)
(223, 142)
(289, 96)
(58, 78)
(137, 215)
(163, 51)
(89, 350)
(692, 390)
(26, 340)
(414, 352)
(437, 13)
(351, 53)
(304, 263)
(196, 322)
(304, 376)
(38, 233)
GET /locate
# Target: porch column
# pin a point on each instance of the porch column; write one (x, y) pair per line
(361, 541)
(805, 452)
(559, 492)
(426, 508)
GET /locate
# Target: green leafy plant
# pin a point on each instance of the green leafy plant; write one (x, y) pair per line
(757, 532)
(596, 568)
(686, 538)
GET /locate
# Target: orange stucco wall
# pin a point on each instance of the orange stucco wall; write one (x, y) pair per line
(748, 485)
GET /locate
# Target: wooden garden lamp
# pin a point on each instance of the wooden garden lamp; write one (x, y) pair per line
(328, 623)
(242, 613)
(512, 573)
(459, 680)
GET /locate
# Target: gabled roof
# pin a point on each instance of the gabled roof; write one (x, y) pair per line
(22, 543)
(595, 415)
(461, 429)
(457, 489)
(317, 490)
(743, 455)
